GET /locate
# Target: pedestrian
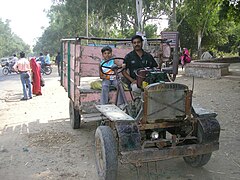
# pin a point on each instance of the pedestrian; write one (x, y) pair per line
(185, 58)
(36, 77)
(136, 59)
(58, 61)
(22, 66)
(108, 77)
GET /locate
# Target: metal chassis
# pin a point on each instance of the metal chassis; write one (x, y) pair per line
(131, 148)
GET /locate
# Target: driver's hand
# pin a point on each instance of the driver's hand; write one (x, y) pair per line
(105, 77)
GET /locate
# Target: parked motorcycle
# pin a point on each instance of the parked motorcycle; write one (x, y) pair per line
(8, 69)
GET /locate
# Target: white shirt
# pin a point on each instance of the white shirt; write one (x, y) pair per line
(22, 65)
(14, 60)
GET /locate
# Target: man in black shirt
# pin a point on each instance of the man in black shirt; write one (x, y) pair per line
(136, 59)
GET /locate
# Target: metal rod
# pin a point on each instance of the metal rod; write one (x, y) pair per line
(108, 39)
(156, 169)
(137, 167)
(148, 170)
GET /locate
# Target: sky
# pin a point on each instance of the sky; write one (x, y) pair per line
(26, 16)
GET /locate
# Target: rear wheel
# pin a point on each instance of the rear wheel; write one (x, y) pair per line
(5, 71)
(106, 153)
(74, 114)
(47, 70)
(198, 160)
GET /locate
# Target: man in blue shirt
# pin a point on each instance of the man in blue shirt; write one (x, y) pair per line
(47, 58)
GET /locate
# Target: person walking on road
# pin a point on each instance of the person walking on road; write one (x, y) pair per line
(36, 77)
(22, 66)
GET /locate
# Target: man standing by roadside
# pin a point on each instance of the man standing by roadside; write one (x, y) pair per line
(58, 61)
(136, 59)
(22, 66)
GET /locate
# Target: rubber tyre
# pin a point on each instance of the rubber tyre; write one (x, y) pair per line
(199, 160)
(47, 70)
(5, 71)
(75, 118)
(106, 153)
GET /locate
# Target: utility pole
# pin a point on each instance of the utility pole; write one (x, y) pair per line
(140, 30)
(87, 18)
(175, 51)
(174, 17)
(139, 15)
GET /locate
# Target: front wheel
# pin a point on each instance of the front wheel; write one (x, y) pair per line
(197, 161)
(106, 153)
(5, 71)
(74, 114)
(202, 159)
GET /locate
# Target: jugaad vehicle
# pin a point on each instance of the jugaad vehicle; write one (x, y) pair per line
(160, 124)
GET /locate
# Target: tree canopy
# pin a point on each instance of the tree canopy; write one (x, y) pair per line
(208, 25)
(10, 43)
(109, 18)
(198, 22)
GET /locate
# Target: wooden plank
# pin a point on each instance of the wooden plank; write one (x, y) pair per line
(114, 113)
(93, 117)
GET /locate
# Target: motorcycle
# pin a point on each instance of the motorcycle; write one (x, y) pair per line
(8, 69)
(46, 69)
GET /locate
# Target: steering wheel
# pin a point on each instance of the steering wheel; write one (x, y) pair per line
(114, 67)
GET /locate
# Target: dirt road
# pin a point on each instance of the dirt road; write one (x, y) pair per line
(37, 142)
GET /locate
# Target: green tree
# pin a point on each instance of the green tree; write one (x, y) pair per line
(201, 16)
(110, 18)
(230, 10)
(10, 43)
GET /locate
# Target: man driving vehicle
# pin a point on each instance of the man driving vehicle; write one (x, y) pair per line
(136, 59)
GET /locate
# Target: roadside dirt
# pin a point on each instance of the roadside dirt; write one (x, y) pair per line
(37, 142)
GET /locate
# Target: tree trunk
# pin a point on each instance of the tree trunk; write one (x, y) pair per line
(199, 43)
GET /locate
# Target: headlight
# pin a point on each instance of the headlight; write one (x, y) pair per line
(154, 135)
